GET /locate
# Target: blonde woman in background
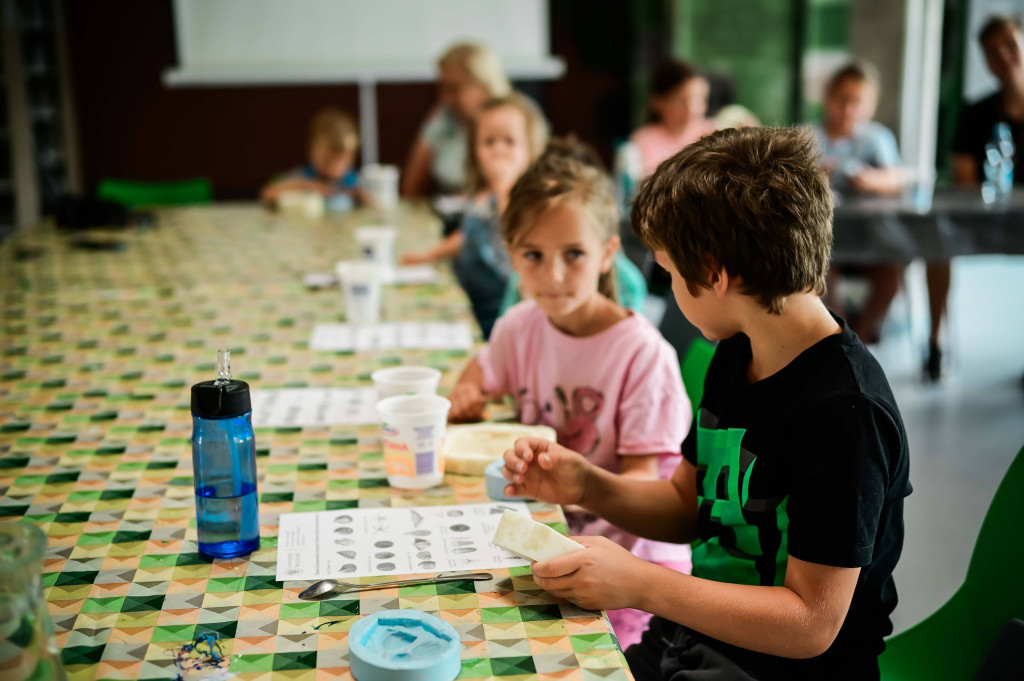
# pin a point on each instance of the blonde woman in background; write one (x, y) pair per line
(469, 75)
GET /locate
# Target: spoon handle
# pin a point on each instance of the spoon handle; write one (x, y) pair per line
(469, 576)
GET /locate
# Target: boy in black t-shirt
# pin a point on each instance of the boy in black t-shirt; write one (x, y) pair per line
(792, 485)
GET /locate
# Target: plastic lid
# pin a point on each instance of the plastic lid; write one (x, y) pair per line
(220, 399)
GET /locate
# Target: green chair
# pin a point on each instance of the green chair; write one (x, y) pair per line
(694, 366)
(134, 194)
(952, 642)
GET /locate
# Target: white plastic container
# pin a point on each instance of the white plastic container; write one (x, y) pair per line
(381, 181)
(405, 380)
(412, 434)
(378, 246)
(303, 203)
(360, 283)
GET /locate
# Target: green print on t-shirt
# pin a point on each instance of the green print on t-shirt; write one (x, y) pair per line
(742, 538)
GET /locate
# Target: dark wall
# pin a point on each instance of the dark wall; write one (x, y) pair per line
(134, 127)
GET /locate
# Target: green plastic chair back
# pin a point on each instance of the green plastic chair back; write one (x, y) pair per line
(133, 194)
(953, 641)
(694, 366)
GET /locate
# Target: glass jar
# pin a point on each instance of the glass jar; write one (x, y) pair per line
(28, 649)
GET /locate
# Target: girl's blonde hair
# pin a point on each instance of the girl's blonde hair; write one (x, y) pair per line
(559, 176)
(481, 64)
(536, 134)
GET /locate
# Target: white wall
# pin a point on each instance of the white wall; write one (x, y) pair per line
(312, 33)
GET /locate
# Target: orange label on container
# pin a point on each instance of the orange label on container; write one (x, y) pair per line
(398, 459)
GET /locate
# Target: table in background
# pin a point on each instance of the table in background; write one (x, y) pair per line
(958, 222)
(97, 355)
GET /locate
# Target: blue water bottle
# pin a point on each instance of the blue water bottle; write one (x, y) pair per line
(224, 465)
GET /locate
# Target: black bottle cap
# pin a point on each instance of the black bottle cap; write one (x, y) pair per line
(220, 399)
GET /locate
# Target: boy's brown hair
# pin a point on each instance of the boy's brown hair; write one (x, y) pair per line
(334, 128)
(753, 201)
(566, 171)
(536, 134)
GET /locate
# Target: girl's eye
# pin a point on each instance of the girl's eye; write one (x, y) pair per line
(574, 254)
(532, 255)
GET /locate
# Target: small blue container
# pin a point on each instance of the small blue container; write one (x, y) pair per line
(404, 645)
(496, 482)
(224, 465)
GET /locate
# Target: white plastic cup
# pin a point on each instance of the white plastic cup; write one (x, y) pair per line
(405, 380)
(412, 433)
(360, 289)
(378, 246)
(381, 182)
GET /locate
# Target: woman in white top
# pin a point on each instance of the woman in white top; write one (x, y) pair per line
(469, 75)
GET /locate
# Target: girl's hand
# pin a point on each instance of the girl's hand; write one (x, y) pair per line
(468, 403)
(416, 259)
(543, 470)
(604, 576)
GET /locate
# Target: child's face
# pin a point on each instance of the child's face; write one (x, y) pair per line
(684, 104)
(460, 93)
(850, 102)
(561, 259)
(329, 163)
(1003, 53)
(501, 146)
(703, 310)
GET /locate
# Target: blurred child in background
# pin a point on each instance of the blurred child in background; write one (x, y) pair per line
(330, 171)
(573, 358)
(679, 104)
(508, 134)
(469, 74)
(861, 157)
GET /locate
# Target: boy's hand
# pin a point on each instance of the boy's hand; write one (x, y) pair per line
(468, 403)
(604, 576)
(543, 470)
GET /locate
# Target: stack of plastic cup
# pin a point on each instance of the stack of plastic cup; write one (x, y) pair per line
(378, 246)
(360, 282)
(406, 380)
(412, 432)
(381, 182)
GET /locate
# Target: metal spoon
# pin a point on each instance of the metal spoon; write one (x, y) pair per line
(327, 586)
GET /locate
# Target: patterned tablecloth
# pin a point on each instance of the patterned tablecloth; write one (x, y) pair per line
(97, 354)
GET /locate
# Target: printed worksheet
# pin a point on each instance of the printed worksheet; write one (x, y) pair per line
(414, 274)
(392, 336)
(289, 407)
(401, 276)
(371, 542)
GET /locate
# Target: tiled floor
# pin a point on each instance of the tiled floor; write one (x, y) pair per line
(964, 431)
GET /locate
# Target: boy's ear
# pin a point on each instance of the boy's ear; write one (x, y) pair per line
(611, 247)
(720, 282)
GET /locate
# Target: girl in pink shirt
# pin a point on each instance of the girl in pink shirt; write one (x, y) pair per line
(576, 360)
(679, 102)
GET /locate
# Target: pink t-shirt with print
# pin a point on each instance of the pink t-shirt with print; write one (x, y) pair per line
(616, 393)
(656, 143)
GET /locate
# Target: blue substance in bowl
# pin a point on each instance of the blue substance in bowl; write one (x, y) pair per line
(404, 645)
